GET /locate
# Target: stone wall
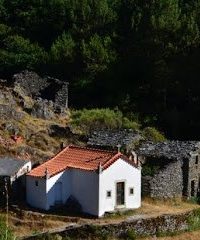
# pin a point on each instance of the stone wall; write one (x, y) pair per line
(166, 182)
(31, 83)
(61, 98)
(47, 88)
(193, 175)
(140, 225)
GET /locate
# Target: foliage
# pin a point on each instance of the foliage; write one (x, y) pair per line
(92, 119)
(153, 134)
(97, 53)
(149, 170)
(194, 220)
(5, 233)
(108, 50)
(131, 234)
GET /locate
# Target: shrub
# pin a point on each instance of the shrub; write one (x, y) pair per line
(152, 134)
(131, 234)
(194, 220)
(5, 232)
(130, 124)
(87, 120)
(149, 170)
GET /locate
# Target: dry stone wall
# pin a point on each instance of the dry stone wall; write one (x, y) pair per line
(47, 88)
(167, 182)
(141, 226)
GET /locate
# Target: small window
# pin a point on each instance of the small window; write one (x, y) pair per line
(192, 188)
(196, 159)
(36, 183)
(131, 191)
(108, 194)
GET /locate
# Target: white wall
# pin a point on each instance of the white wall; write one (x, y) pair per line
(85, 188)
(36, 195)
(63, 177)
(43, 195)
(124, 172)
(88, 187)
(22, 171)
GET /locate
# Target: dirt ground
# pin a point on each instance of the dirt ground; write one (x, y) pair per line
(25, 222)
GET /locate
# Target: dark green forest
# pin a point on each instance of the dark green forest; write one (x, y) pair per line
(142, 56)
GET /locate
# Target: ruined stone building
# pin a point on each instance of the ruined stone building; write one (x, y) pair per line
(170, 169)
(111, 139)
(47, 88)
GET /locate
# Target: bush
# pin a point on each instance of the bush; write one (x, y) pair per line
(152, 134)
(194, 220)
(131, 234)
(87, 120)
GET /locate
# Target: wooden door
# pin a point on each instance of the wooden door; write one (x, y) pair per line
(120, 193)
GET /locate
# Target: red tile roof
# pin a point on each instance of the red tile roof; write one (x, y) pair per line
(77, 157)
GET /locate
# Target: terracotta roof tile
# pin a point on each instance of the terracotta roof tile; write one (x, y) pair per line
(77, 157)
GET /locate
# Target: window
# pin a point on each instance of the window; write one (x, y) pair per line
(108, 194)
(36, 183)
(131, 191)
(192, 188)
(196, 159)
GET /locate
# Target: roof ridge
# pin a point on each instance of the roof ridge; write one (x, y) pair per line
(92, 149)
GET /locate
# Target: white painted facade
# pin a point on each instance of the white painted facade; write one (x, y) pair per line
(22, 171)
(120, 171)
(88, 187)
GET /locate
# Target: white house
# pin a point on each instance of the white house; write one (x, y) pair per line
(101, 181)
(12, 171)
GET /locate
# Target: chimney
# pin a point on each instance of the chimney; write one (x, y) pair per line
(46, 174)
(118, 148)
(100, 168)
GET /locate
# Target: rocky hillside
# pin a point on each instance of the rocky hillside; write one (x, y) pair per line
(35, 121)
(31, 124)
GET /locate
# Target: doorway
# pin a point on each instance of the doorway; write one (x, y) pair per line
(120, 198)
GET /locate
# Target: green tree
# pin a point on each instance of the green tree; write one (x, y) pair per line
(97, 54)
(18, 53)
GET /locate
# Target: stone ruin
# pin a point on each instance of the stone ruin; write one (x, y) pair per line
(170, 169)
(50, 89)
(124, 138)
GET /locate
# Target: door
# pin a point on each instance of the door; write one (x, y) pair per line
(120, 193)
(58, 193)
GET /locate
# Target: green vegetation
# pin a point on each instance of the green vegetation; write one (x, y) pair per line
(153, 134)
(142, 56)
(131, 235)
(194, 220)
(5, 232)
(87, 120)
(149, 170)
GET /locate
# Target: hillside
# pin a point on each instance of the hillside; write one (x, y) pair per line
(31, 127)
(35, 122)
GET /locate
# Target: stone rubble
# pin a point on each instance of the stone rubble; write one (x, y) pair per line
(112, 138)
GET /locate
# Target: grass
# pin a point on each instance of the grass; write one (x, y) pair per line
(26, 222)
(35, 133)
(195, 235)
